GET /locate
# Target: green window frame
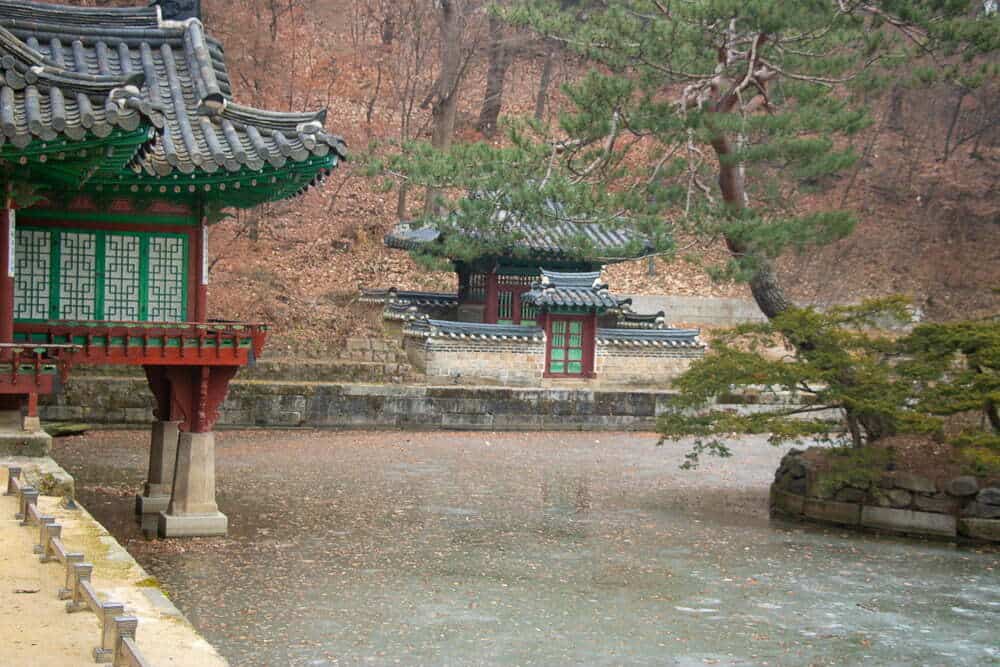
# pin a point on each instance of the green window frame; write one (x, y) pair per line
(103, 275)
(566, 347)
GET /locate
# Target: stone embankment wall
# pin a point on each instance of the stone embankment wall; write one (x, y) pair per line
(125, 400)
(898, 502)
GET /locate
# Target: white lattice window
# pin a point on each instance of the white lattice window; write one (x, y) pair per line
(122, 277)
(77, 276)
(166, 285)
(32, 264)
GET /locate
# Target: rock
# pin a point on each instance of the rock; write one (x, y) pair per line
(980, 529)
(885, 482)
(850, 495)
(796, 486)
(908, 521)
(897, 498)
(939, 503)
(797, 469)
(981, 511)
(833, 512)
(913, 482)
(786, 504)
(962, 486)
(989, 496)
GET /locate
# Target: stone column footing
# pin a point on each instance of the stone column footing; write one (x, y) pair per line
(151, 504)
(192, 525)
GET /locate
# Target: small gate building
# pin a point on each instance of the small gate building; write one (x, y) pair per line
(536, 314)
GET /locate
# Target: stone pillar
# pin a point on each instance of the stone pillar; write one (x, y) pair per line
(192, 511)
(155, 494)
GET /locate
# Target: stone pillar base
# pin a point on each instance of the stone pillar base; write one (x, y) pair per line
(192, 525)
(155, 495)
(151, 504)
(192, 510)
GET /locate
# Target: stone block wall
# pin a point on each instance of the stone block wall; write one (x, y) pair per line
(898, 502)
(126, 401)
(642, 366)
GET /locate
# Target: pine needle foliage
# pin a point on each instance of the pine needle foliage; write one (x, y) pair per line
(709, 117)
(840, 376)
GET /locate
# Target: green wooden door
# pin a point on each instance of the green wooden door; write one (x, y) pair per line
(566, 347)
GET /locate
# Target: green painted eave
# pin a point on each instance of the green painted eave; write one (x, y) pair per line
(65, 162)
(242, 189)
(100, 166)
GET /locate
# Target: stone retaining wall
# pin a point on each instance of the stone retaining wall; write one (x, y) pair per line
(898, 502)
(127, 401)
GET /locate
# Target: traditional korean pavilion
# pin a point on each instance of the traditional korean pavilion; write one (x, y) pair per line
(539, 312)
(119, 142)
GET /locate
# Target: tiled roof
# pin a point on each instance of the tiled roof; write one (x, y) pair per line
(572, 290)
(402, 312)
(655, 337)
(392, 295)
(446, 329)
(98, 68)
(630, 320)
(542, 238)
(42, 99)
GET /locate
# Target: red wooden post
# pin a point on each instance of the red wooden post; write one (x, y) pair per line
(32, 404)
(492, 313)
(7, 274)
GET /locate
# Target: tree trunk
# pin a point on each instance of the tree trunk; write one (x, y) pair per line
(404, 189)
(499, 59)
(543, 84)
(444, 106)
(894, 118)
(854, 428)
(768, 294)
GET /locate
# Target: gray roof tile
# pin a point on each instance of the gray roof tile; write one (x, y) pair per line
(657, 337)
(448, 329)
(73, 70)
(392, 295)
(542, 238)
(572, 290)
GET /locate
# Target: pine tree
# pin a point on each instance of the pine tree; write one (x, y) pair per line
(709, 117)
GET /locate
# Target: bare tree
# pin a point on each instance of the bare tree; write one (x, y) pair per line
(499, 55)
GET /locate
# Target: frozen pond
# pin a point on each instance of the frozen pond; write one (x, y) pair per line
(362, 548)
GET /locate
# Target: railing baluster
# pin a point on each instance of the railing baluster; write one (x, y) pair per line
(108, 612)
(13, 475)
(29, 496)
(43, 523)
(117, 631)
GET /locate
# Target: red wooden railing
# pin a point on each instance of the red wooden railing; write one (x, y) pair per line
(152, 343)
(32, 368)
